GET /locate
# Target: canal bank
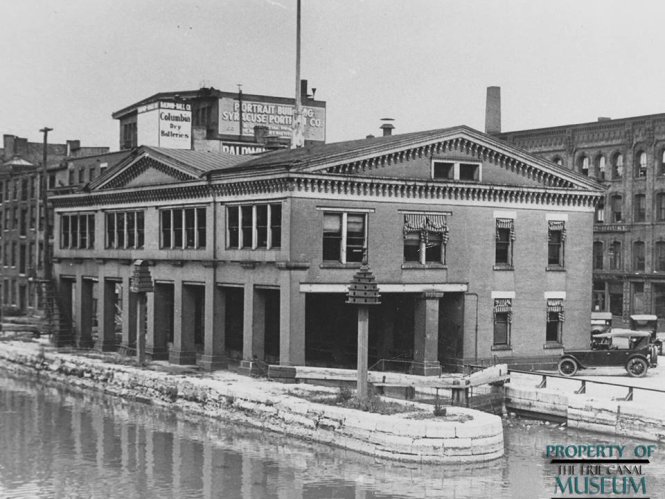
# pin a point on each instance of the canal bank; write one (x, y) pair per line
(462, 436)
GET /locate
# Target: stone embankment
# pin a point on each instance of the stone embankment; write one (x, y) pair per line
(416, 436)
(603, 414)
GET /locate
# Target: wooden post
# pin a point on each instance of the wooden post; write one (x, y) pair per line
(363, 339)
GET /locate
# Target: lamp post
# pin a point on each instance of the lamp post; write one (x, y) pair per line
(363, 292)
(47, 274)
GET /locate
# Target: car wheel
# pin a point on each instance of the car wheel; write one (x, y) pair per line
(567, 367)
(637, 367)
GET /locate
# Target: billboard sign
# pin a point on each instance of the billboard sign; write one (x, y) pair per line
(278, 117)
(165, 124)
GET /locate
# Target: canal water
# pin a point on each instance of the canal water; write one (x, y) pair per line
(59, 443)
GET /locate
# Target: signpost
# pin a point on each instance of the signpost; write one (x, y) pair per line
(363, 291)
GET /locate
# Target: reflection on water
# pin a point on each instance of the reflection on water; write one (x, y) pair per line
(58, 443)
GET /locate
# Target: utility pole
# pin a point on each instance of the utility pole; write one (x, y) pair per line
(47, 273)
(240, 123)
(297, 137)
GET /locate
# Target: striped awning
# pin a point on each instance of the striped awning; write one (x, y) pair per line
(555, 306)
(506, 223)
(504, 305)
(426, 224)
(557, 225)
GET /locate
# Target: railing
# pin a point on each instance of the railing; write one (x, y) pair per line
(583, 383)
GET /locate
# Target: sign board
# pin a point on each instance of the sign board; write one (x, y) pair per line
(165, 124)
(278, 117)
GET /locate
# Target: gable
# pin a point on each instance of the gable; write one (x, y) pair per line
(146, 171)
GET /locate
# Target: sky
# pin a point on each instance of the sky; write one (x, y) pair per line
(69, 64)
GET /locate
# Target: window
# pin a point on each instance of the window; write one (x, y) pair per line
(77, 231)
(453, 170)
(616, 207)
(81, 174)
(615, 256)
(600, 167)
(659, 263)
(344, 237)
(660, 206)
(505, 235)
(556, 238)
(597, 255)
(600, 211)
(583, 164)
(641, 164)
(638, 256)
(661, 170)
(617, 166)
(658, 298)
(640, 207)
(555, 318)
(638, 304)
(23, 223)
(24, 189)
(2, 190)
(598, 297)
(124, 229)
(254, 226)
(502, 320)
(425, 238)
(182, 228)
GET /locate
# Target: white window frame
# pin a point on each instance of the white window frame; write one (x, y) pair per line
(255, 231)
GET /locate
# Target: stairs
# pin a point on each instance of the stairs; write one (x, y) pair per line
(57, 321)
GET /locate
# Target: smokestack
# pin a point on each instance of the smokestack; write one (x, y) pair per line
(493, 110)
(387, 127)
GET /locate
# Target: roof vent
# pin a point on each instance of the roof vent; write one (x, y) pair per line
(387, 127)
(604, 118)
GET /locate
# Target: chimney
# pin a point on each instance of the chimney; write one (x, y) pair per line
(303, 89)
(73, 146)
(493, 110)
(21, 147)
(387, 127)
(8, 146)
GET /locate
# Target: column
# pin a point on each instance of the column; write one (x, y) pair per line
(183, 351)
(248, 322)
(258, 325)
(84, 313)
(426, 334)
(214, 327)
(106, 303)
(291, 321)
(159, 310)
(128, 345)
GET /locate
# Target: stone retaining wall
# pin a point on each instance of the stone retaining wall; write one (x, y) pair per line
(269, 406)
(614, 417)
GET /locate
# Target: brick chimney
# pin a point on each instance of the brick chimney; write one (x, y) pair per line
(493, 110)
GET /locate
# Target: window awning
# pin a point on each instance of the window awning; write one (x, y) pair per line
(555, 306)
(506, 223)
(426, 223)
(557, 225)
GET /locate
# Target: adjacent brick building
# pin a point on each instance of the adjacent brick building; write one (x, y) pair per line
(481, 253)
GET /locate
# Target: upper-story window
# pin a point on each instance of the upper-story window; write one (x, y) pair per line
(640, 208)
(660, 206)
(254, 226)
(505, 235)
(638, 256)
(503, 314)
(661, 163)
(425, 238)
(125, 229)
(617, 166)
(344, 236)
(183, 228)
(583, 164)
(641, 164)
(617, 206)
(615, 255)
(456, 170)
(77, 231)
(600, 211)
(597, 255)
(555, 319)
(556, 239)
(659, 256)
(600, 165)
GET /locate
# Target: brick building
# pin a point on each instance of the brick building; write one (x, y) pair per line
(21, 212)
(627, 156)
(481, 253)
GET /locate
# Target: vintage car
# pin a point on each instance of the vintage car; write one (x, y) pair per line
(601, 322)
(619, 347)
(647, 322)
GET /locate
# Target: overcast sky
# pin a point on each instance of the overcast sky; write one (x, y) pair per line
(69, 64)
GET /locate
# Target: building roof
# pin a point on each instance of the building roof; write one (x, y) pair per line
(17, 162)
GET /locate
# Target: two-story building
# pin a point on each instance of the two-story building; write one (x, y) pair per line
(481, 253)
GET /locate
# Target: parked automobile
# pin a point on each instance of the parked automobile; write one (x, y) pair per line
(647, 322)
(601, 322)
(630, 349)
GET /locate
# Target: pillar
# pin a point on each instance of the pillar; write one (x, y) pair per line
(106, 303)
(426, 334)
(258, 324)
(128, 345)
(291, 321)
(214, 327)
(159, 310)
(184, 350)
(84, 313)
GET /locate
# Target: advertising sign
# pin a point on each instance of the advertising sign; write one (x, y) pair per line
(165, 124)
(277, 117)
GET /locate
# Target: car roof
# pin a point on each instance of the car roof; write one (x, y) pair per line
(623, 333)
(644, 317)
(601, 315)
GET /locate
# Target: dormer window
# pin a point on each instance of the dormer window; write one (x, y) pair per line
(456, 170)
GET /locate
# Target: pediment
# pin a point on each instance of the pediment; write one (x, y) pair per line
(145, 171)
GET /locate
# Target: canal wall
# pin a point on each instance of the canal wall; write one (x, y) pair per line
(609, 416)
(463, 436)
